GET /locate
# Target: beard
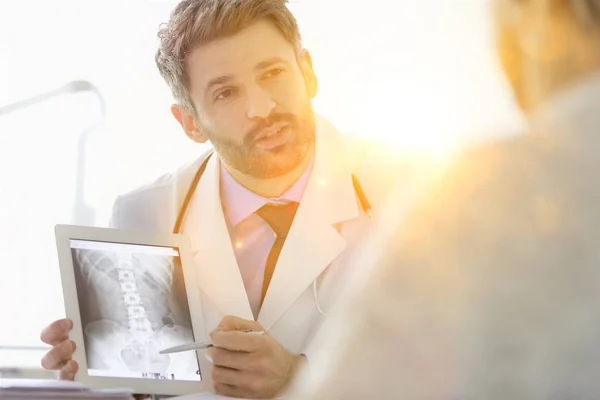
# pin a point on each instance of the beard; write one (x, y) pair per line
(261, 163)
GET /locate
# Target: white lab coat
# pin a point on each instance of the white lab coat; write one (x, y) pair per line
(328, 223)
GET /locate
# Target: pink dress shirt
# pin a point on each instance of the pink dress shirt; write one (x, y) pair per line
(251, 237)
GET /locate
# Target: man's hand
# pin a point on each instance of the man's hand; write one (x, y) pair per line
(247, 365)
(59, 357)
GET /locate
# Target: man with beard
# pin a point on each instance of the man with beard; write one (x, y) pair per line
(242, 81)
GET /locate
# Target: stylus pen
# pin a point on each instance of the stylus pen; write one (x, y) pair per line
(198, 345)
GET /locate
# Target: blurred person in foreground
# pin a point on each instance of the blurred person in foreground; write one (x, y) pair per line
(491, 288)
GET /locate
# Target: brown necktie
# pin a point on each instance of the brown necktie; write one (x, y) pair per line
(279, 217)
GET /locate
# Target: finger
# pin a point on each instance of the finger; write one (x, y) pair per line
(229, 359)
(226, 376)
(58, 355)
(231, 323)
(57, 332)
(237, 341)
(230, 391)
(67, 373)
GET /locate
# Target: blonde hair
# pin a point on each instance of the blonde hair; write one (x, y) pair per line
(197, 22)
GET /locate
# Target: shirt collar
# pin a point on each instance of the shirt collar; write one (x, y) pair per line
(239, 203)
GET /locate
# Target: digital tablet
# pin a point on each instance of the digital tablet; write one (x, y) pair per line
(130, 295)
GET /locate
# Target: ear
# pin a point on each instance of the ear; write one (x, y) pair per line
(306, 66)
(188, 123)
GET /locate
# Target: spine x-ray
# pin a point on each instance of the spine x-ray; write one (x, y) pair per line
(133, 304)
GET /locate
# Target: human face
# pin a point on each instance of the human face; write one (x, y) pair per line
(252, 95)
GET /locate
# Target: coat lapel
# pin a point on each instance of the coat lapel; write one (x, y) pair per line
(313, 242)
(217, 270)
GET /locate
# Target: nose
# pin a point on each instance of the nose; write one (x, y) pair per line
(260, 103)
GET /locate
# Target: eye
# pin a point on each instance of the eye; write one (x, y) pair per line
(272, 73)
(224, 94)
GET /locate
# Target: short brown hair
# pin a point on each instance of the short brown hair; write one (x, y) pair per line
(197, 22)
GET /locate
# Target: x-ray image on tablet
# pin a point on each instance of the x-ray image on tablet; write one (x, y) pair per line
(130, 295)
(133, 303)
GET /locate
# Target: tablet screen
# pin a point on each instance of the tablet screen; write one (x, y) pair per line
(133, 304)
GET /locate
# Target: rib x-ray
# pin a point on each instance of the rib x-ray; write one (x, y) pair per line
(133, 304)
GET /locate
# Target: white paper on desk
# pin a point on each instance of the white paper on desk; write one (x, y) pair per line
(208, 396)
(40, 384)
(56, 389)
(202, 396)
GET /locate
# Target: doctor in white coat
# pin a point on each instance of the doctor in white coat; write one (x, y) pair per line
(243, 82)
